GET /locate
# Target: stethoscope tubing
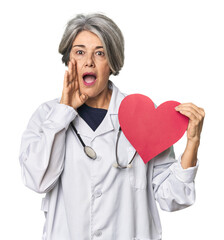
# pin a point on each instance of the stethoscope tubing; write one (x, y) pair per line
(92, 154)
(80, 139)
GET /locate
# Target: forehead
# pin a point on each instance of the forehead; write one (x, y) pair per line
(87, 39)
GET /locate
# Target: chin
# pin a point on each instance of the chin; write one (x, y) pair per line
(90, 92)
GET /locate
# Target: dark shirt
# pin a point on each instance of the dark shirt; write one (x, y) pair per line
(92, 116)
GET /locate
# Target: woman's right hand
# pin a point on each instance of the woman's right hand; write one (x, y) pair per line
(71, 94)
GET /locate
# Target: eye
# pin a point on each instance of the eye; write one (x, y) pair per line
(100, 53)
(80, 52)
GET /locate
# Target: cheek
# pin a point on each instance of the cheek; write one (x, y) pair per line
(105, 70)
(78, 66)
(77, 58)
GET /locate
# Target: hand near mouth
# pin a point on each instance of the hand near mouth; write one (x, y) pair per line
(71, 95)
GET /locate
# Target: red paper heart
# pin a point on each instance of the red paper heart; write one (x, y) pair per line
(150, 130)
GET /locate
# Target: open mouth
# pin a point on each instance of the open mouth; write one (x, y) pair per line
(89, 78)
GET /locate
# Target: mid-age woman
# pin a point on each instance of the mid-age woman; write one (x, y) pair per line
(92, 194)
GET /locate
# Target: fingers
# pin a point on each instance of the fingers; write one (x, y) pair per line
(75, 75)
(66, 81)
(71, 92)
(67, 77)
(70, 77)
(191, 105)
(196, 118)
(70, 71)
(74, 69)
(193, 112)
(188, 111)
(83, 97)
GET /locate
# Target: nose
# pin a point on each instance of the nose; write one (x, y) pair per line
(89, 61)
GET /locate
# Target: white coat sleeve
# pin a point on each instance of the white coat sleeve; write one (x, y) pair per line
(42, 147)
(173, 186)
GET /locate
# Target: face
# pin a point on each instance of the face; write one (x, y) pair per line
(92, 65)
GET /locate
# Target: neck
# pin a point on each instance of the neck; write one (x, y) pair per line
(100, 101)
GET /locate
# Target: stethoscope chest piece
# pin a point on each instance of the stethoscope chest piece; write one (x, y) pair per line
(90, 152)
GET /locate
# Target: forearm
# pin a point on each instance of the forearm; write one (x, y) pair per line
(196, 117)
(189, 157)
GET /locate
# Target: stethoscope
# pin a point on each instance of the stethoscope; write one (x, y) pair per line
(92, 154)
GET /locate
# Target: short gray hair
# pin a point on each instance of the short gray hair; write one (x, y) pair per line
(107, 31)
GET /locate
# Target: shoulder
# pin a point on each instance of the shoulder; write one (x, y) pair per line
(48, 105)
(44, 109)
(117, 92)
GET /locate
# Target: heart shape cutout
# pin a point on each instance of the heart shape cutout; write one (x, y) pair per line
(150, 130)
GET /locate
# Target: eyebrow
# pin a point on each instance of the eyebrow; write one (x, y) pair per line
(83, 46)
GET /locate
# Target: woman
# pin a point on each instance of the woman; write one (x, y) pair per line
(89, 198)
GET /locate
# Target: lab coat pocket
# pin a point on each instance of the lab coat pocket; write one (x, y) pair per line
(44, 208)
(44, 205)
(137, 173)
(136, 238)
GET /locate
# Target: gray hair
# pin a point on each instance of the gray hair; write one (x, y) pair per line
(107, 31)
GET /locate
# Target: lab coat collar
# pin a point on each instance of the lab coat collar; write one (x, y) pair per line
(107, 124)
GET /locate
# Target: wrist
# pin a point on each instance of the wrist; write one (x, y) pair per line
(193, 144)
(189, 157)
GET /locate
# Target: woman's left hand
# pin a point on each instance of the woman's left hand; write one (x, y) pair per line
(196, 117)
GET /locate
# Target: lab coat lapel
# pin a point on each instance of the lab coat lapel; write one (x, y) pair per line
(109, 123)
(85, 130)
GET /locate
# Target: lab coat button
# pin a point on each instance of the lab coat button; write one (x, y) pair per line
(98, 233)
(98, 193)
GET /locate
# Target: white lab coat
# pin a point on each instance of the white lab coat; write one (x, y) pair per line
(90, 199)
